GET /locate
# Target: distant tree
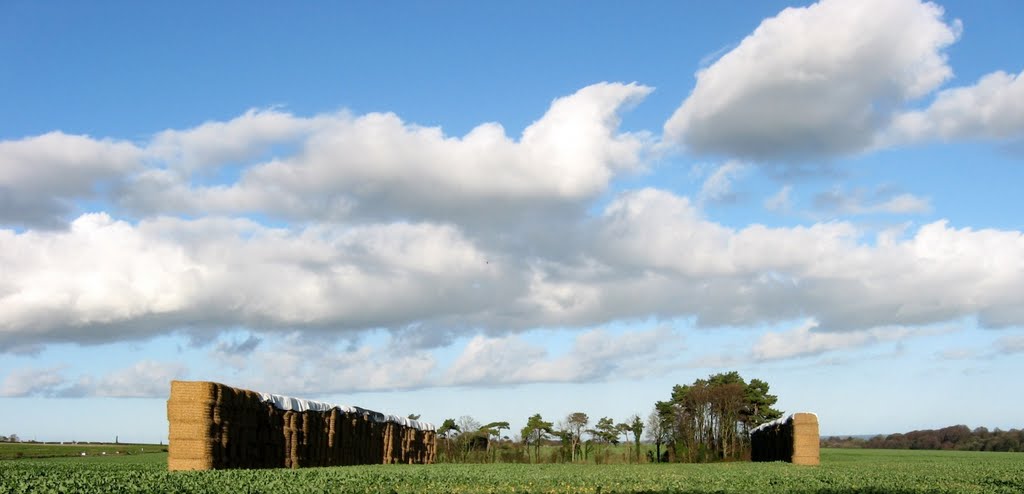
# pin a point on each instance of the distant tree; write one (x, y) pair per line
(607, 430)
(447, 426)
(623, 430)
(535, 431)
(604, 433)
(445, 431)
(712, 418)
(659, 430)
(588, 446)
(493, 429)
(958, 437)
(636, 426)
(414, 416)
(468, 424)
(576, 423)
(470, 441)
(758, 406)
(565, 438)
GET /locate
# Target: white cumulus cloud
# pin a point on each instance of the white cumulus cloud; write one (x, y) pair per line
(595, 355)
(41, 176)
(860, 201)
(804, 341)
(378, 165)
(145, 379)
(718, 186)
(217, 143)
(816, 81)
(991, 109)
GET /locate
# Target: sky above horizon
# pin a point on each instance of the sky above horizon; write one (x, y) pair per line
(500, 209)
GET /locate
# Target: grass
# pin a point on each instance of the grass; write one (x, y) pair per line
(842, 471)
(9, 451)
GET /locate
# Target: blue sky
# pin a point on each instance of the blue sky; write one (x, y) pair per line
(496, 210)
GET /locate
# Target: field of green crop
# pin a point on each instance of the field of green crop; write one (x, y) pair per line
(841, 471)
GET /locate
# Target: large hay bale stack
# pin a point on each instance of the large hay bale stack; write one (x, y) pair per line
(793, 439)
(195, 420)
(217, 426)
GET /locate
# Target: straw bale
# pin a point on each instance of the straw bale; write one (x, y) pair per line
(183, 410)
(176, 464)
(191, 429)
(803, 418)
(193, 391)
(805, 442)
(806, 460)
(191, 448)
(212, 425)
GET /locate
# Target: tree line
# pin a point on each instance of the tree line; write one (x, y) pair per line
(709, 420)
(956, 437)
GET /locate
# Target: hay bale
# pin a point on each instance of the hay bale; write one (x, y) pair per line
(806, 439)
(793, 439)
(192, 412)
(177, 464)
(212, 425)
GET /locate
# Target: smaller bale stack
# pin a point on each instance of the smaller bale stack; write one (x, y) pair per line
(794, 439)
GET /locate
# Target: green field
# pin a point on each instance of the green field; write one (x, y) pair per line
(9, 451)
(841, 471)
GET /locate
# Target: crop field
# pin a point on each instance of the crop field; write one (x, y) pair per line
(841, 471)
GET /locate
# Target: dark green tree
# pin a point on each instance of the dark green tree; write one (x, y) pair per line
(534, 433)
(493, 429)
(445, 431)
(605, 433)
(711, 419)
(636, 426)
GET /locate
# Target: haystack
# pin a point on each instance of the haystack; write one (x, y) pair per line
(792, 439)
(216, 426)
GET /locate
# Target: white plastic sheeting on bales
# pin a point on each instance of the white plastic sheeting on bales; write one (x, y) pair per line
(299, 405)
(778, 421)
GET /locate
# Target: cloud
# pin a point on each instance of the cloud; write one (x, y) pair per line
(718, 186)
(40, 176)
(303, 364)
(235, 352)
(105, 280)
(239, 347)
(145, 379)
(667, 255)
(648, 253)
(28, 382)
(780, 202)
(959, 354)
(596, 355)
(804, 341)
(815, 82)
(991, 109)
(216, 144)
(882, 200)
(377, 165)
(1010, 345)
